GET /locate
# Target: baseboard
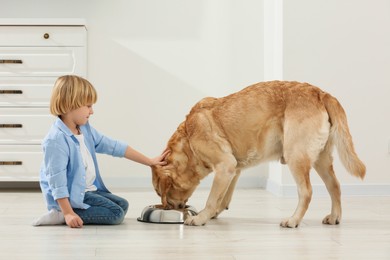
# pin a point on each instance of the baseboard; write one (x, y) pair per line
(253, 182)
(290, 190)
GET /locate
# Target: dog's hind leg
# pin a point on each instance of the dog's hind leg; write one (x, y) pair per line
(324, 168)
(229, 194)
(303, 140)
(306, 133)
(300, 169)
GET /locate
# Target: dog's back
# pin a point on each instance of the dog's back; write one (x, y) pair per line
(264, 121)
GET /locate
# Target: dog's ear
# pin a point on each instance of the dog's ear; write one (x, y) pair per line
(165, 184)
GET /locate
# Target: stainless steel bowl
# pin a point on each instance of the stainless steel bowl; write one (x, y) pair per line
(154, 214)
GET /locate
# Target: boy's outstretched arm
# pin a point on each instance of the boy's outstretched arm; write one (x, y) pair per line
(136, 156)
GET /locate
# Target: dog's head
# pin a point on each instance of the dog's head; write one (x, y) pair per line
(167, 184)
(176, 181)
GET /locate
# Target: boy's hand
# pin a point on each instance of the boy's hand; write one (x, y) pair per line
(73, 220)
(160, 160)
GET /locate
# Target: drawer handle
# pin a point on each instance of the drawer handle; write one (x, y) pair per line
(11, 162)
(6, 91)
(11, 125)
(11, 61)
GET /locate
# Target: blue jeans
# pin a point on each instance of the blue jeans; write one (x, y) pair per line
(106, 208)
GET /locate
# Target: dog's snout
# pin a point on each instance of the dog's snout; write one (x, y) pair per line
(177, 204)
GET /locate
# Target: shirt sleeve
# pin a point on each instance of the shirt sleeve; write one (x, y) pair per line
(106, 145)
(56, 160)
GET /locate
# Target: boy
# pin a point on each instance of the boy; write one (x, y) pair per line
(70, 179)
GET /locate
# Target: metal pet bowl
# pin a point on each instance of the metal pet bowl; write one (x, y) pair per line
(154, 214)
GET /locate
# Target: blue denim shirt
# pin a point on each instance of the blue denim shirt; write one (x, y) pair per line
(62, 171)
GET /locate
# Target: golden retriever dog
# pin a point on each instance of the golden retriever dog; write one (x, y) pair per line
(293, 122)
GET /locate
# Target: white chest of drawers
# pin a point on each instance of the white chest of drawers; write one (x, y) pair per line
(32, 56)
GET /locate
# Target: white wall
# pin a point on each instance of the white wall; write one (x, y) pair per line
(151, 61)
(343, 47)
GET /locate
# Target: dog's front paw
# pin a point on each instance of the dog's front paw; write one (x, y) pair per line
(331, 220)
(195, 221)
(289, 223)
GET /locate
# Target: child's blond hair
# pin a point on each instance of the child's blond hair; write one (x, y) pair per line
(71, 92)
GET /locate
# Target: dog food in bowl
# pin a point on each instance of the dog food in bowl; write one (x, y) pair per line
(155, 214)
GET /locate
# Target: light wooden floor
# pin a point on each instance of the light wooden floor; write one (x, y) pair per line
(248, 230)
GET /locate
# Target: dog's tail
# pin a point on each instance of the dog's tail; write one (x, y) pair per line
(342, 138)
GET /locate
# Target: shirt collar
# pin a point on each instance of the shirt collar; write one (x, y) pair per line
(61, 125)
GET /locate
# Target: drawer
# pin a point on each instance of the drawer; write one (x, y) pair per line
(20, 162)
(43, 36)
(26, 91)
(24, 125)
(43, 62)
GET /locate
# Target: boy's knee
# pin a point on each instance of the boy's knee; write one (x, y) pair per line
(119, 217)
(124, 205)
(120, 212)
